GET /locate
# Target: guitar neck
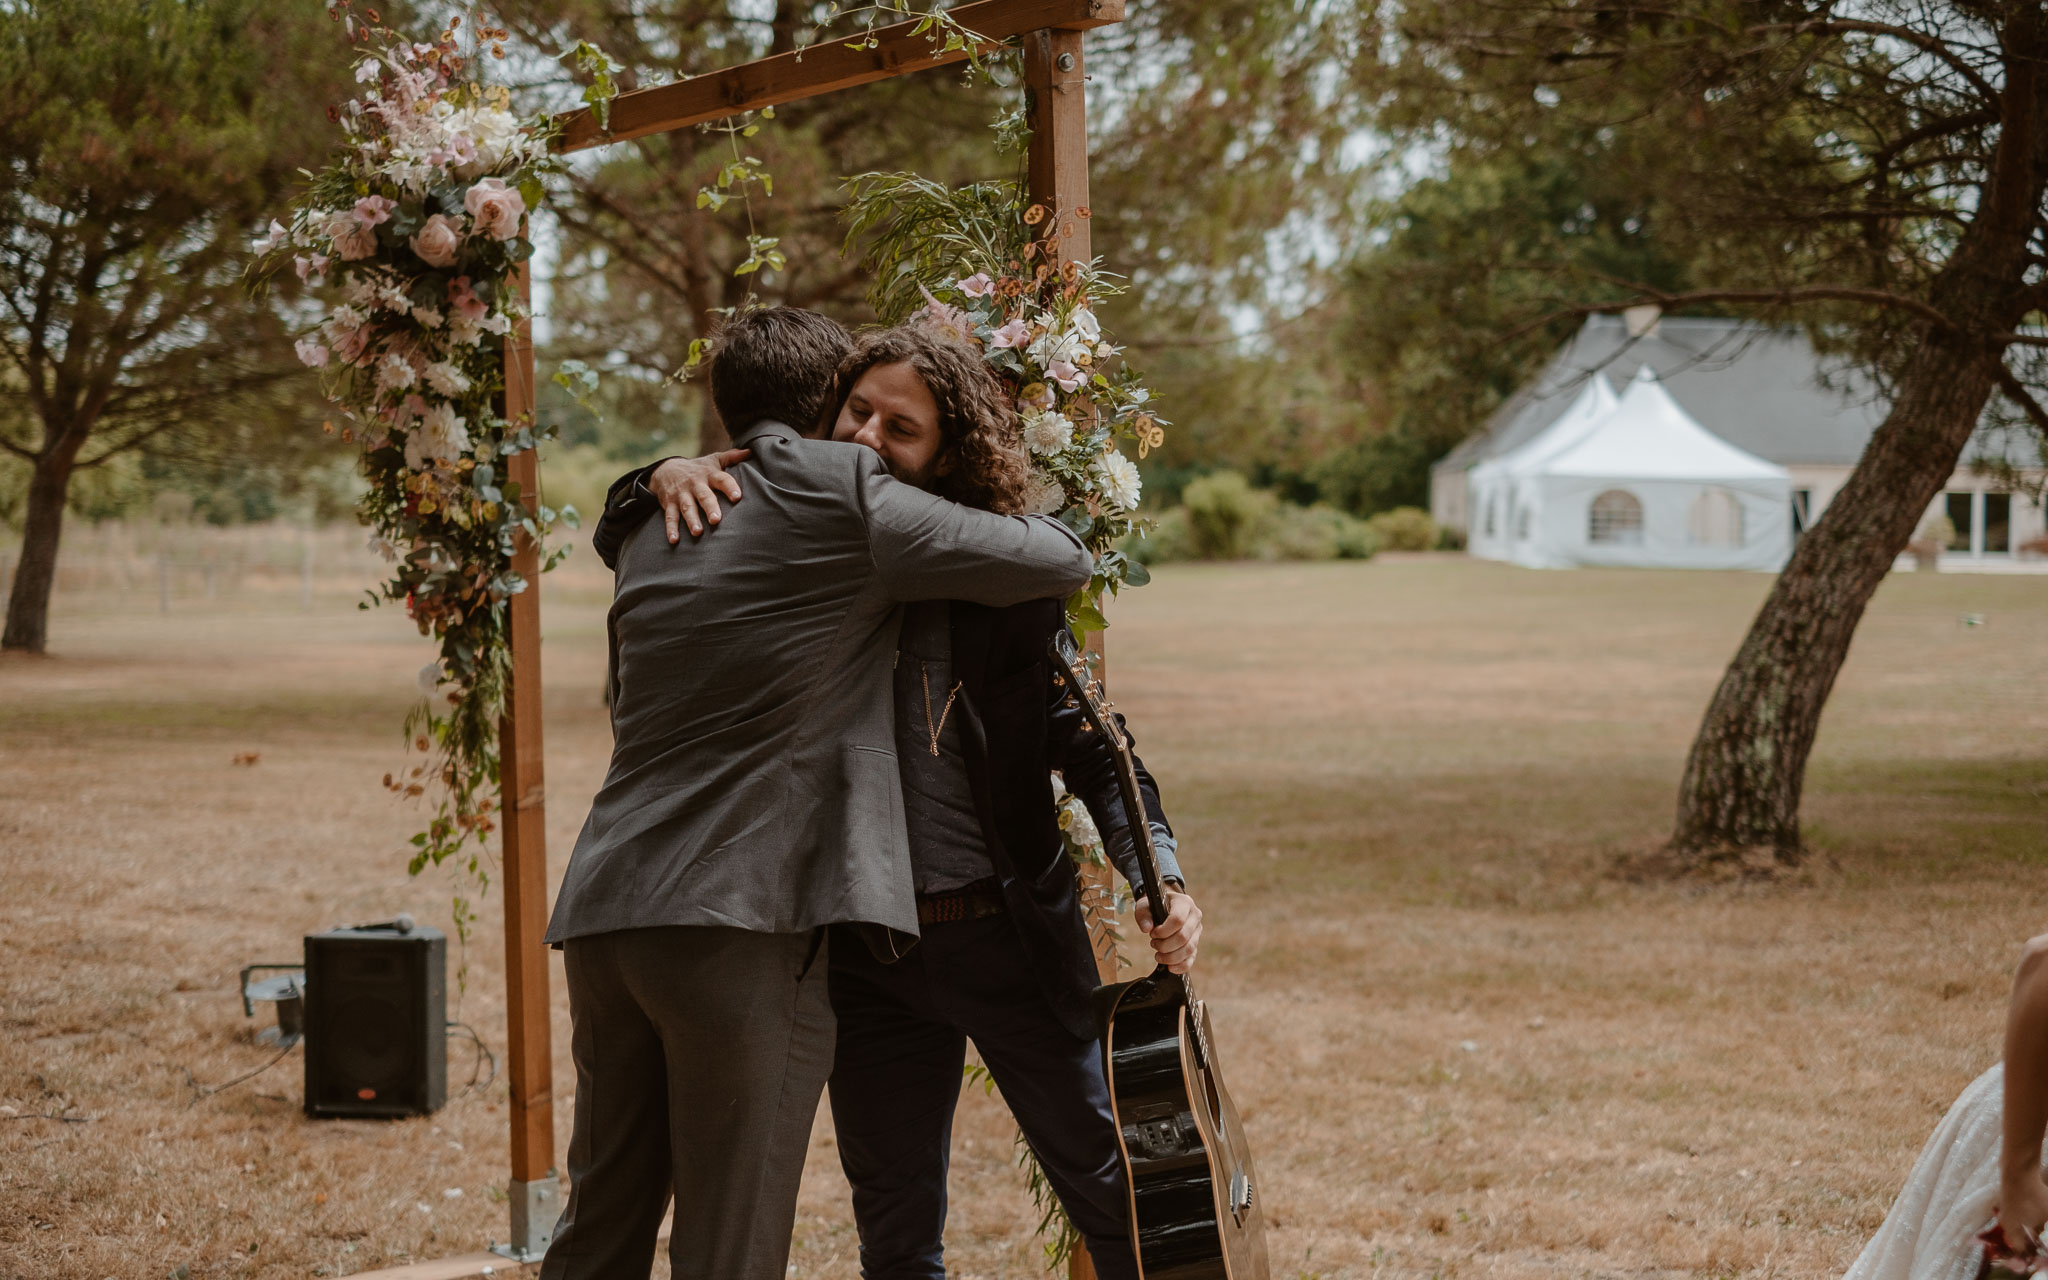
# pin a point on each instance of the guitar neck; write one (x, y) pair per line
(1153, 886)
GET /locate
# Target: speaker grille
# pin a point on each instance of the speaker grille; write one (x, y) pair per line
(376, 1022)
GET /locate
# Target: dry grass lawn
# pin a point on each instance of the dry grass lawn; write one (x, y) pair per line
(1463, 1049)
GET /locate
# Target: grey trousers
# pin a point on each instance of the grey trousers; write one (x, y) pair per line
(701, 1054)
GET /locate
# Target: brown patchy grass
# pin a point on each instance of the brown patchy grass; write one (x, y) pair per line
(1463, 1048)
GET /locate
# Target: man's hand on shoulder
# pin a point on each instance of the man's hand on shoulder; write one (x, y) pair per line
(1175, 941)
(688, 489)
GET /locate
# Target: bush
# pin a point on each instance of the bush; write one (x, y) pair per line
(1314, 533)
(1278, 531)
(1168, 541)
(1405, 529)
(1223, 514)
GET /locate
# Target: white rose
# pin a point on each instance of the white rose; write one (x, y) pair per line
(495, 207)
(1079, 824)
(1119, 479)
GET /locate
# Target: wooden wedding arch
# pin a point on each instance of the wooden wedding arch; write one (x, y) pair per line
(1055, 85)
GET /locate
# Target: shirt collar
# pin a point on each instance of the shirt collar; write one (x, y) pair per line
(765, 427)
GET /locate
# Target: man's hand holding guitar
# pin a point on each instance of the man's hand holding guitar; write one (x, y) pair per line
(1176, 939)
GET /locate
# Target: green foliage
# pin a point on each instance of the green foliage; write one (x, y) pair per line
(1223, 512)
(645, 272)
(910, 229)
(1405, 529)
(599, 71)
(140, 143)
(1316, 533)
(1222, 517)
(1443, 311)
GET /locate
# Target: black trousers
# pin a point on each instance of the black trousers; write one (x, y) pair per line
(903, 1032)
(700, 1057)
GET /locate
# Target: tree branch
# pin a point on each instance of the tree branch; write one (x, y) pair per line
(2016, 391)
(1754, 297)
(1920, 40)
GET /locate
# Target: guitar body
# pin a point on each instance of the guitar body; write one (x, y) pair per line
(1195, 1213)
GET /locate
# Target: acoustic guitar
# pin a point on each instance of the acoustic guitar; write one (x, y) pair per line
(1195, 1213)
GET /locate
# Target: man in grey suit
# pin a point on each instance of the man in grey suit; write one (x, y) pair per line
(753, 799)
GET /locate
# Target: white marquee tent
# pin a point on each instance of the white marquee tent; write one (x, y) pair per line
(1640, 483)
(1499, 503)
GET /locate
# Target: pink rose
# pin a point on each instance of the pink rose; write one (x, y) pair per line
(495, 207)
(436, 241)
(462, 297)
(373, 211)
(352, 240)
(348, 345)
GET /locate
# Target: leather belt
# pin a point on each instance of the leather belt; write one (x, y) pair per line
(974, 902)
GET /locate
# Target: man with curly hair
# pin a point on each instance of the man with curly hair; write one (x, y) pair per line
(1003, 957)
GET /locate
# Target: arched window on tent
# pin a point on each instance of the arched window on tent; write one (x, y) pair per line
(1715, 519)
(1522, 523)
(1616, 518)
(1492, 506)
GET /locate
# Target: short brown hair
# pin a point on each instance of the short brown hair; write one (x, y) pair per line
(978, 423)
(775, 363)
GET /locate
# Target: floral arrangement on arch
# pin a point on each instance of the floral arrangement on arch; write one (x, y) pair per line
(413, 237)
(976, 263)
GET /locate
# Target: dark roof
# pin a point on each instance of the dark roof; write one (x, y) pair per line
(1760, 389)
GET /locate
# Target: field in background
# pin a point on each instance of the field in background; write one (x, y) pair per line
(1462, 1047)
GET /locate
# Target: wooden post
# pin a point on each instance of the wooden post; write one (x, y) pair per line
(529, 1050)
(1056, 99)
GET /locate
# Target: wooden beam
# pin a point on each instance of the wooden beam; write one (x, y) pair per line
(1056, 100)
(529, 1054)
(823, 68)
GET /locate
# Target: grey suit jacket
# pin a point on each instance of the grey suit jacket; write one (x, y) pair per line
(753, 781)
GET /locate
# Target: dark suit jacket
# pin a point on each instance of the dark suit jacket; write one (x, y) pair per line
(753, 780)
(1018, 730)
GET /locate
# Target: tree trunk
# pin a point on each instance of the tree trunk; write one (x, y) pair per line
(1743, 780)
(28, 605)
(1741, 791)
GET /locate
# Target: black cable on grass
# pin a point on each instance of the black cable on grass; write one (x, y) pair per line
(483, 1055)
(208, 1090)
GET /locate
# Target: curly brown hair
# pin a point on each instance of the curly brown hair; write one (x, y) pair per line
(979, 430)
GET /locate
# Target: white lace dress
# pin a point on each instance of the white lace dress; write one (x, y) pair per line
(1931, 1232)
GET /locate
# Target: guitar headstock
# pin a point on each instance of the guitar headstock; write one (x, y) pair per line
(1083, 688)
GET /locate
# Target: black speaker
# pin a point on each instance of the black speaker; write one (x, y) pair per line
(376, 1021)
